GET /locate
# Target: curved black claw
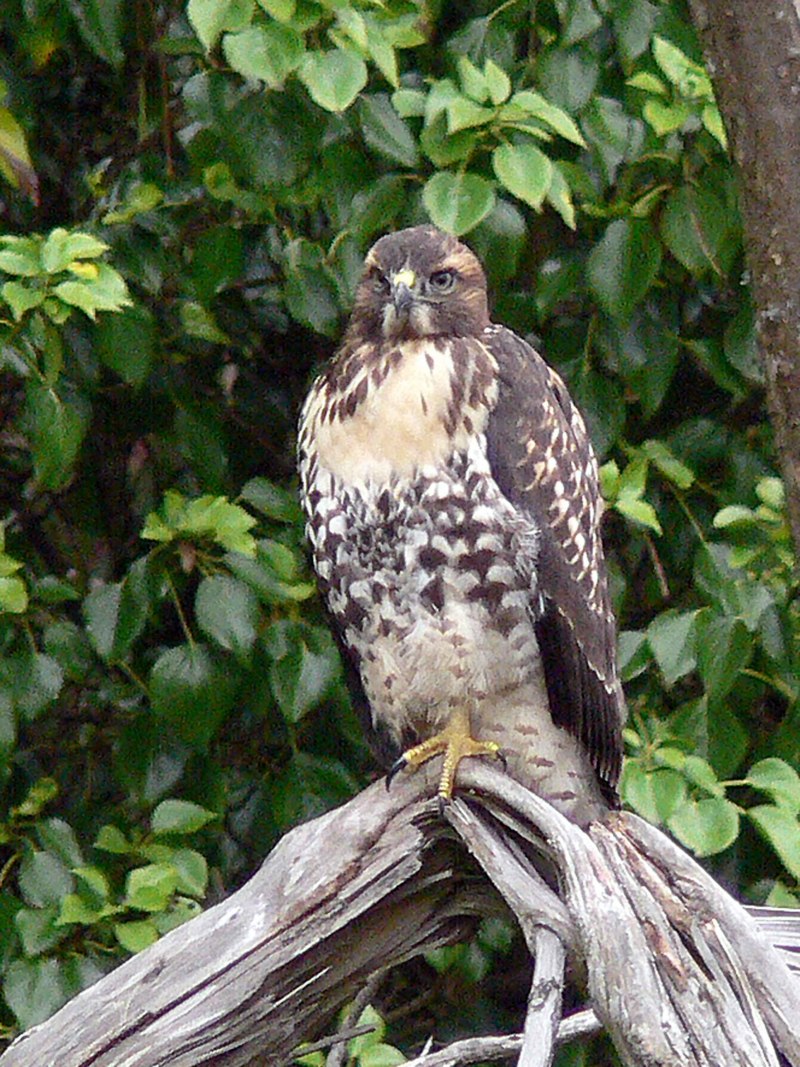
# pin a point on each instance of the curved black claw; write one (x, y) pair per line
(443, 801)
(394, 770)
(503, 758)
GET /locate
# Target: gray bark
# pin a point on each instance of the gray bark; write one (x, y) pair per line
(752, 51)
(677, 971)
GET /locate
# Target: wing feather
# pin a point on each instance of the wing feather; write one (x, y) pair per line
(543, 462)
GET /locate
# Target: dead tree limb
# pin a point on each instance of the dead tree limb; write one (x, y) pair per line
(677, 972)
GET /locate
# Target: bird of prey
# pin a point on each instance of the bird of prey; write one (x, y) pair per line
(453, 511)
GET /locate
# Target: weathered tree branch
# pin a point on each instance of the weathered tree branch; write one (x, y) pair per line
(753, 55)
(677, 972)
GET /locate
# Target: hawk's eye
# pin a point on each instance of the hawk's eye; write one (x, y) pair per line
(379, 282)
(442, 281)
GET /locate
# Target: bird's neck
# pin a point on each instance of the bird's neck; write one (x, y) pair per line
(382, 413)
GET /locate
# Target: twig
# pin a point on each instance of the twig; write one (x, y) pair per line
(337, 1057)
(497, 1049)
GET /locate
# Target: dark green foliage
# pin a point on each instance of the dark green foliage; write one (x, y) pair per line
(189, 191)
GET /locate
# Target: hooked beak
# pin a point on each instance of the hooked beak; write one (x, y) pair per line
(403, 291)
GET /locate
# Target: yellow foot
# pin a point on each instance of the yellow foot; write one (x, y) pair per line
(456, 742)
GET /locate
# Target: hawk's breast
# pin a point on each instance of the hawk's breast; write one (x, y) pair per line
(384, 412)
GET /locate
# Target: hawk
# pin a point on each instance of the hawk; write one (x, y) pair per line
(453, 512)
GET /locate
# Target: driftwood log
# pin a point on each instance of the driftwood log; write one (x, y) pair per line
(677, 972)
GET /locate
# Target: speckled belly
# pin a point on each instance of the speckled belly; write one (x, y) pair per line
(433, 585)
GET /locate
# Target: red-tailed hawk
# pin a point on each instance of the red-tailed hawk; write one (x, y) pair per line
(453, 512)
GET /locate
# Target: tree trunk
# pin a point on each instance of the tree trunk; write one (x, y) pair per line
(752, 50)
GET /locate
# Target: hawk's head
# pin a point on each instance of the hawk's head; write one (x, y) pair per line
(420, 282)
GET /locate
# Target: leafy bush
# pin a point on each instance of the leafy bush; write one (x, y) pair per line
(189, 194)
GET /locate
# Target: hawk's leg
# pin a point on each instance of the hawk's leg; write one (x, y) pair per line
(455, 742)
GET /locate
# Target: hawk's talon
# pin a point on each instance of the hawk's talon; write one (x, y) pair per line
(394, 770)
(455, 742)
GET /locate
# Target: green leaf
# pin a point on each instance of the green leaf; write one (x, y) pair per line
(15, 160)
(198, 322)
(781, 829)
(671, 636)
(74, 909)
(43, 879)
(57, 836)
(779, 779)
(126, 344)
(381, 48)
(193, 693)
(210, 17)
(38, 929)
(56, 425)
(282, 10)
(13, 596)
(21, 256)
(464, 114)
(21, 298)
(227, 610)
(204, 517)
(633, 22)
(409, 103)
(623, 265)
(648, 82)
(179, 817)
(712, 120)
(110, 839)
(192, 872)
(62, 247)
(636, 790)
(218, 261)
(115, 615)
(689, 78)
(724, 647)
(104, 290)
(334, 78)
(741, 343)
(34, 990)
(309, 292)
(559, 196)
(524, 171)
(706, 826)
(305, 666)
(273, 501)
(693, 225)
(638, 511)
(269, 52)
(137, 935)
(473, 82)
(497, 82)
(701, 773)
(272, 574)
(534, 105)
(101, 24)
(38, 796)
(150, 888)
(634, 654)
(385, 131)
(456, 203)
(381, 1056)
(676, 472)
(666, 118)
(35, 681)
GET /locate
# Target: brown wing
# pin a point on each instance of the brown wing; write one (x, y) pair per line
(543, 462)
